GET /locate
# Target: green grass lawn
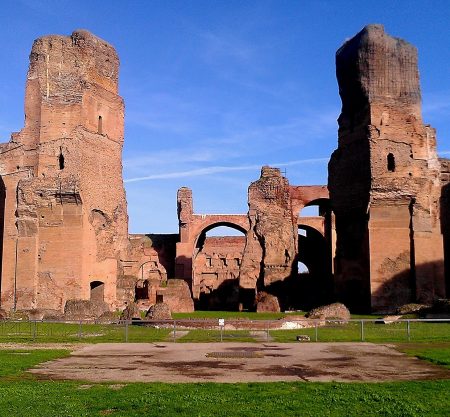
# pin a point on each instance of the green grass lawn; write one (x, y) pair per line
(200, 335)
(24, 332)
(438, 353)
(377, 333)
(71, 333)
(23, 395)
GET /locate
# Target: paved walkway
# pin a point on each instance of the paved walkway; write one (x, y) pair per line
(238, 362)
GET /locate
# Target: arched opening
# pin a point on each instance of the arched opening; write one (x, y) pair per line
(97, 291)
(391, 162)
(2, 228)
(313, 283)
(302, 268)
(216, 266)
(100, 125)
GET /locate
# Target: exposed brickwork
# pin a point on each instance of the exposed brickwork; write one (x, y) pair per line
(384, 178)
(64, 236)
(65, 207)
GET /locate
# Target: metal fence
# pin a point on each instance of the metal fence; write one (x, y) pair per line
(238, 330)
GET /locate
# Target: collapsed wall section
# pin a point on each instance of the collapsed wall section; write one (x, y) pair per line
(271, 244)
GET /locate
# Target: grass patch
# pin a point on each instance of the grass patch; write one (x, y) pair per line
(377, 333)
(436, 353)
(198, 335)
(406, 399)
(23, 332)
(13, 362)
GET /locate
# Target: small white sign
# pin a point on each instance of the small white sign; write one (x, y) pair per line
(221, 322)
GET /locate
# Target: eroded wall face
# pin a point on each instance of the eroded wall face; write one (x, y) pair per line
(65, 208)
(384, 177)
(271, 244)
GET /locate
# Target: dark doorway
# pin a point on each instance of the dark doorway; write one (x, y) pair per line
(141, 290)
(97, 291)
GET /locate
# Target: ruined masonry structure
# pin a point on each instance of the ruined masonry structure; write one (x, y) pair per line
(381, 237)
(228, 272)
(384, 178)
(65, 215)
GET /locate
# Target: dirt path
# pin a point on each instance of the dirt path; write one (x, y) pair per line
(238, 362)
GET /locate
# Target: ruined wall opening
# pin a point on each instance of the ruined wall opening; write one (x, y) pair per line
(61, 160)
(2, 227)
(216, 266)
(312, 285)
(141, 290)
(391, 162)
(97, 291)
(100, 125)
(301, 267)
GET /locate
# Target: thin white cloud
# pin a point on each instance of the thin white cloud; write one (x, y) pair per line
(436, 104)
(173, 156)
(220, 169)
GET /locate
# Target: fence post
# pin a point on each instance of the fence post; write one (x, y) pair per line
(126, 331)
(80, 330)
(34, 330)
(408, 330)
(362, 330)
(267, 331)
(174, 331)
(316, 331)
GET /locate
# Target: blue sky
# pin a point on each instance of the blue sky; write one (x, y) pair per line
(215, 89)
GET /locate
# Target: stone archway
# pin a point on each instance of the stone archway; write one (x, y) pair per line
(314, 287)
(216, 266)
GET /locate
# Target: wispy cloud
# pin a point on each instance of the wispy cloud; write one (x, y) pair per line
(220, 169)
(173, 156)
(226, 46)
(436, 104)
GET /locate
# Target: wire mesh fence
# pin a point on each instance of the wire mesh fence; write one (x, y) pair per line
(209, 330)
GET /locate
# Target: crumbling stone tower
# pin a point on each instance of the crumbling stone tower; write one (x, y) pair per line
(64, 208)
(384, 178)
(271, 244)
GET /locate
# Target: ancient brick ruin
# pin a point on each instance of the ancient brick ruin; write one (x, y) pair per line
(381, 238)
(384, 178)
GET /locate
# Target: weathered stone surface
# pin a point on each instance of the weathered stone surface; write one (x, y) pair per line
(331, 311)
(45, 314)
(384, 178)
(84, 309)
(108, 317)
(272, 243)
(267, 303)
(177, 296)
(413, 308)
(65, 210)
(159, 311)
(224, 272)
(131, 312)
